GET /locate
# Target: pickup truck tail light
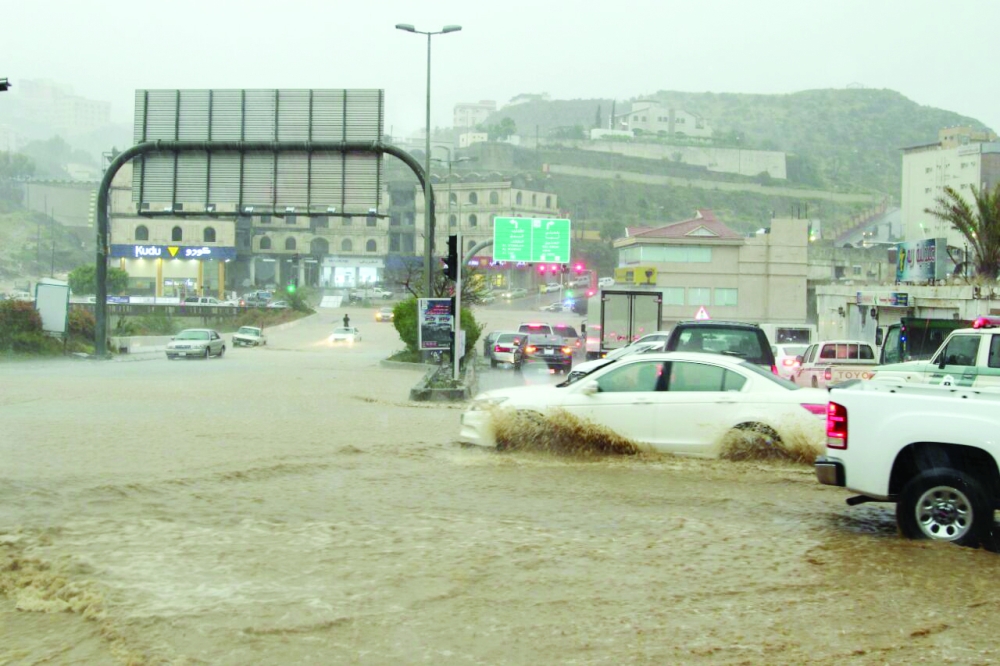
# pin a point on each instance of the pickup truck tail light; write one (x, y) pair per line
(836, 426)
(530, 349)
(827, 375)
(788, 361)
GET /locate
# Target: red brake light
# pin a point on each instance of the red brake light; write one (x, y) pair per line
(774, 369)
(818, 410)
(836, 426)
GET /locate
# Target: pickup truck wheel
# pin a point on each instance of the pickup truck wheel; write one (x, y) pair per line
(945, 505)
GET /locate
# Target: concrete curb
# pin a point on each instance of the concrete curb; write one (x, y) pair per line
(402, 365)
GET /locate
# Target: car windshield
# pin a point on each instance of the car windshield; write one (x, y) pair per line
(193, 335)
(770, 376)
(739, 342)
(248, 330)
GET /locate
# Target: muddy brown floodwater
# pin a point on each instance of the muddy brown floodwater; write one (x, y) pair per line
(288, 505)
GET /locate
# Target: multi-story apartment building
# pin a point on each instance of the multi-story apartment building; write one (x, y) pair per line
(469, 115)
(653, 118)
(702, 263)
(961, 158)
(470, 204)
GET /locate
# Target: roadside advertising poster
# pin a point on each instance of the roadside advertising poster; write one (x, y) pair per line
(435, 323)
(922, 260)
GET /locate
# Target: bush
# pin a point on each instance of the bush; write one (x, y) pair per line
(155, 324)
(81, 323)
(21, 329)
(405, 319)
(83, 280)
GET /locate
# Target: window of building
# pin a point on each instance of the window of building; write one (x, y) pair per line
(689, 254)
(394, 242)
(208, 235)
(699, 296)
(265, 219)
(394, 220)
(518, 198)
(345, 221)
(265, 243)
(473, 198)
(452, 220)
(927, 190)
(290, 219)
(176, 234)
(635, 118)
(644, 119)
(452, 198)
(927, 170)
(494, 198)
(548, 202)
(409, 219)
(289, 243)
(471, 244)
(534, 199)
(371, 246)
(142, 233)
(680, 121)
(673, 295)
(727, 297)
(856, 270)
(346, 245)
(473, 221)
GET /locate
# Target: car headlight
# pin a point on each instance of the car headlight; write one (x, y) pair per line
(481, 404)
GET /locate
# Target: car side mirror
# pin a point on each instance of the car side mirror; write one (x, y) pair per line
(590, 388)
(798, 359)
(878, 337)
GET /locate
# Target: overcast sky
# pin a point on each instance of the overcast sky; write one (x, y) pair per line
(942, 55)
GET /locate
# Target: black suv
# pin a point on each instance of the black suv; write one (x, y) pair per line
(745, 341)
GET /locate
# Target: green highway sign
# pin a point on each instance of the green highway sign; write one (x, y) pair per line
(531, 240)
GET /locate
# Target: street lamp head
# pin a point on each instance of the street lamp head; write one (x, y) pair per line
(405, 26)
(4, 85)
(451, 28)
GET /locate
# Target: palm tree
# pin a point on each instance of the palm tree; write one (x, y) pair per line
(979, 223)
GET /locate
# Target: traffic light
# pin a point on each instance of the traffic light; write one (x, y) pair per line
(451, 263)
(292, 286)
(578, 267)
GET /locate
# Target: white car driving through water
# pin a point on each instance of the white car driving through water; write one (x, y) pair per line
(348, 334)
(674, 402)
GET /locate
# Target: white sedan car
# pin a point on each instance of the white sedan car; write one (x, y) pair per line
(674, 402)
(348, 334)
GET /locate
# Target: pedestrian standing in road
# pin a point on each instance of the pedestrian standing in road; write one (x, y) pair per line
(347, 321)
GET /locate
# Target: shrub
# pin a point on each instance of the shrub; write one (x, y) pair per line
(82, 323)
(21, 329)
(405, 319)
(155, 324)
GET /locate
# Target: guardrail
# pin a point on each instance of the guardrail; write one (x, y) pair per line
(172, 310)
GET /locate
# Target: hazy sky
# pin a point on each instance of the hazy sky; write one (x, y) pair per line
(942, 55)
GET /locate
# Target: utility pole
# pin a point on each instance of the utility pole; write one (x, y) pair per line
(52, 231)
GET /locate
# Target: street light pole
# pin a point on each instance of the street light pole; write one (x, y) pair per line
(428, 206)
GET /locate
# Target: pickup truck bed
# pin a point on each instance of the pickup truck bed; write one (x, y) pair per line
(932, 450)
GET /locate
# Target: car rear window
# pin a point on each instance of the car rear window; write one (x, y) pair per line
(566, 331)
(510, 337)
(739, 342)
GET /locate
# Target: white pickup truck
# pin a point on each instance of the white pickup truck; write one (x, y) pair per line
(835, 361)
(932, 450)
(969, 357)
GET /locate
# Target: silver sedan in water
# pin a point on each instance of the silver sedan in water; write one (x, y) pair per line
(196, 343)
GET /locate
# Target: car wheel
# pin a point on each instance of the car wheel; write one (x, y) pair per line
(754, 441)
(945, 505)
(208, 352)
(222, 352)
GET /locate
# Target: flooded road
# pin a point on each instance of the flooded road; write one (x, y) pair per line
(289, 505)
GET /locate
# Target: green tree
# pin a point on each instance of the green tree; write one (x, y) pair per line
(83, 280)
(979, 223)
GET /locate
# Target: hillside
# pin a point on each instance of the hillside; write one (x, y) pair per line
(841, 139)
(26, 245)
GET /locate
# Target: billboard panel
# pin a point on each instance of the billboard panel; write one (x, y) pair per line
(922, 260)
(270, 183)
(435, 323)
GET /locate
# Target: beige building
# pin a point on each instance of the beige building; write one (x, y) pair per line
(962, 158)
(469, 205)
(168, 256)
(468, 138)
(472, 114)
(701, 263)
(653, 118)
